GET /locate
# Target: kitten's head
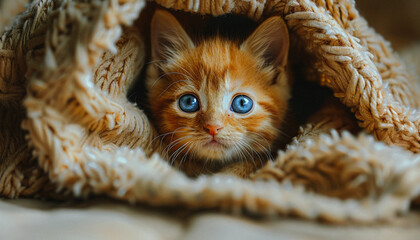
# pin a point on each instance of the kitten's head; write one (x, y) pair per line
(218, 99)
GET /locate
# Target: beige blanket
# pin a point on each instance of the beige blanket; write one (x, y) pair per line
(68, 128)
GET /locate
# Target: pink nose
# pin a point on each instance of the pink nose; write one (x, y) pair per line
(212, 129)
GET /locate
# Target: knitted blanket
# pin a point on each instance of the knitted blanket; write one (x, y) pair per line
(68, 128)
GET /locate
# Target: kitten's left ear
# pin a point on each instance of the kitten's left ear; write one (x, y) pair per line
(270, 41)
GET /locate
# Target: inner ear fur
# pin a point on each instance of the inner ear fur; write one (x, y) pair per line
(270, 41)
(167, 36)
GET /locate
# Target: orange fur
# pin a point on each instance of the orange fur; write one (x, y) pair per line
(216, 70)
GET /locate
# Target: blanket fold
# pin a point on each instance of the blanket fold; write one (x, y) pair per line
(67, 126)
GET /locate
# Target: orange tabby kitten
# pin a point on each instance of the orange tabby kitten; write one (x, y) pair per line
(217, 102)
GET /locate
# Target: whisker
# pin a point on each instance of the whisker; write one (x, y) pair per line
(264, 149)
(243, 142)
(185, 155)
(260, 157)
(246, 147)
(155, 61)
(168, 73)
(162, 136)
(172, 144)
(175, 154)
(283, 133)
(170, 85)
(176, 64)
(182, 149)
(263, 138)
(242, 155)
(190, 75)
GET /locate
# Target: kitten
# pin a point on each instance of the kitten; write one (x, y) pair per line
(216, 102)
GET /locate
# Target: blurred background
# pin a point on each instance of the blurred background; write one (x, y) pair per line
(398, 21)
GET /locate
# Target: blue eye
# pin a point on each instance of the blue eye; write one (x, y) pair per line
(188, 103)
(242, 104)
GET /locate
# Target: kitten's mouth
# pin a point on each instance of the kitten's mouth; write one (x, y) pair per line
(214, 143)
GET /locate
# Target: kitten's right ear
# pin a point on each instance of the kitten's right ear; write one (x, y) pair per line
(167, 36)
(270, 41)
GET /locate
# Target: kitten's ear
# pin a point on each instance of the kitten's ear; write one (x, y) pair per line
(167, 35)
(269, 41)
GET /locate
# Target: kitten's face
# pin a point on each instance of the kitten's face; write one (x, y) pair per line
(216, 100)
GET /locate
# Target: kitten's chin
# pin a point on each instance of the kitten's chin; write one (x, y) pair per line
(214, 151)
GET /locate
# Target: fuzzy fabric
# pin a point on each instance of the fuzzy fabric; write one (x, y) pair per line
(67, 126)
